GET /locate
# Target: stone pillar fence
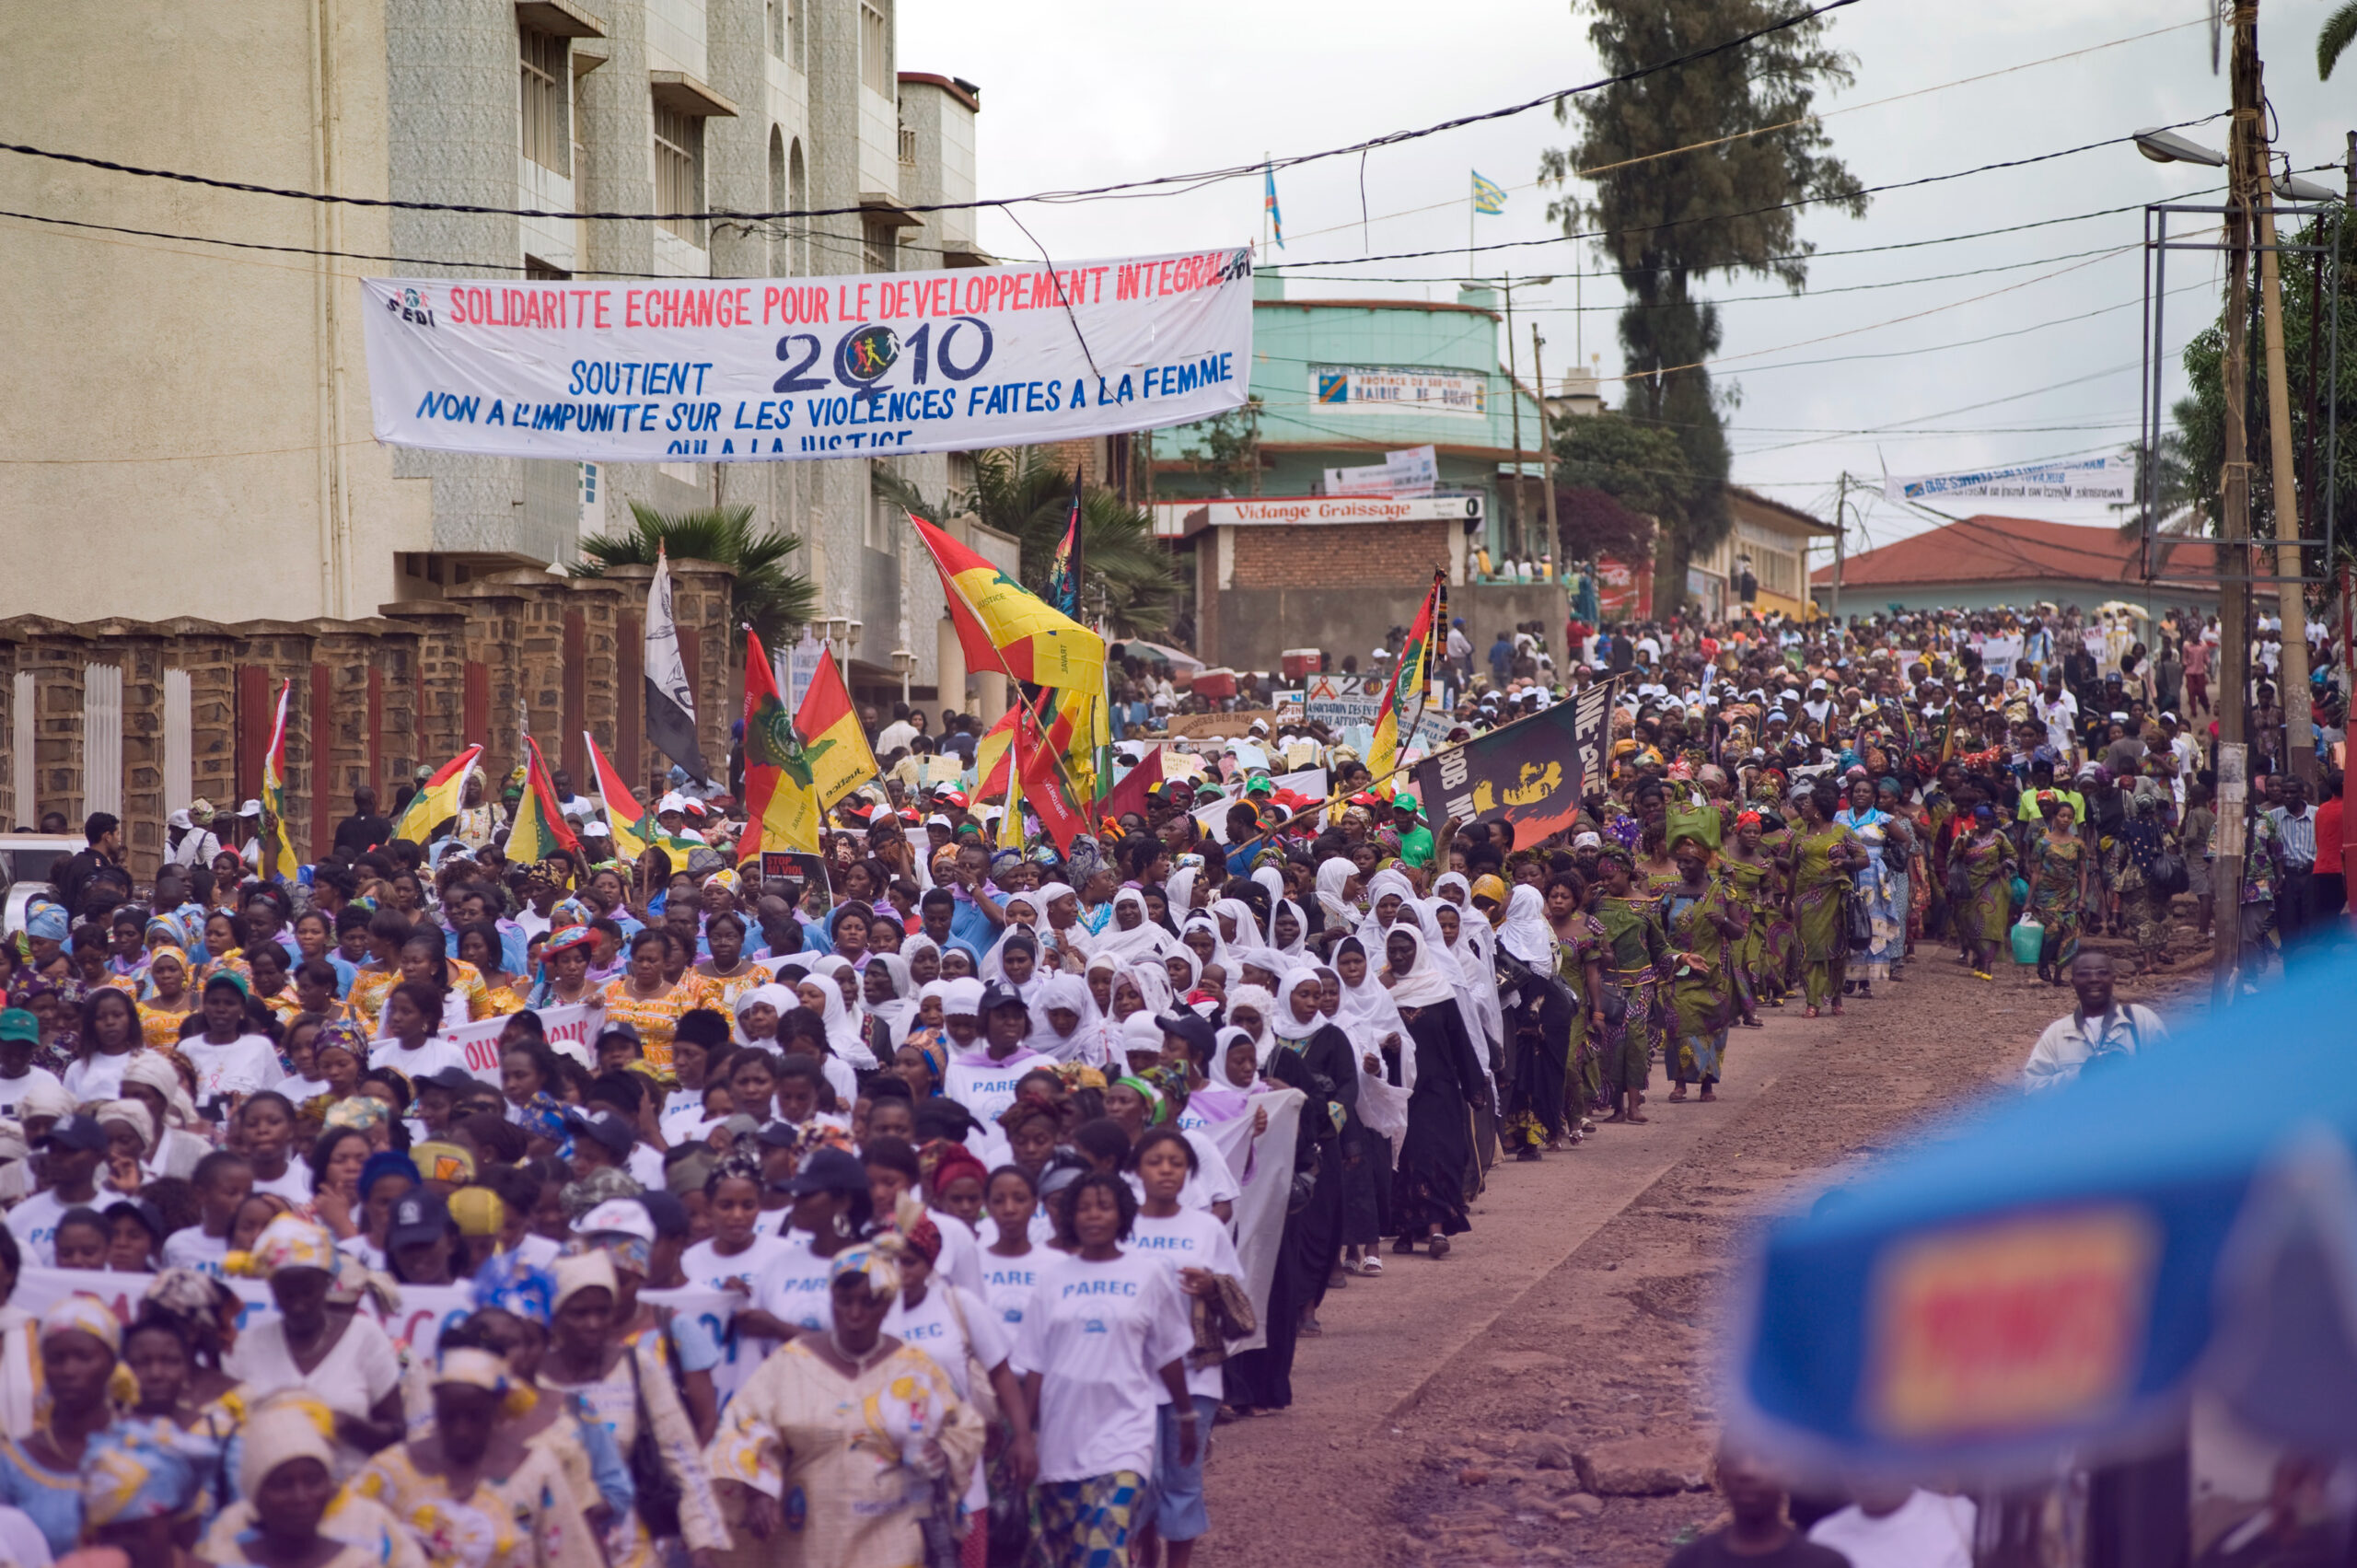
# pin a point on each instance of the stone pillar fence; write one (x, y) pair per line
(370, 700)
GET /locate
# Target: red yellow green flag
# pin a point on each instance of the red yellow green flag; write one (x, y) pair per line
(277, 847)
(1003, 627)
(1403, 700)
(541, 830)
(832, 737)
(991, 763)
(625, 818)
(1052, 798)
(437, 800)
(781, 789)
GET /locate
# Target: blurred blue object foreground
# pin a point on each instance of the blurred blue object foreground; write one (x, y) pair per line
(2053, 1278)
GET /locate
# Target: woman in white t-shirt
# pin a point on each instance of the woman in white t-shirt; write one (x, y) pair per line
(1103, 1342)
(411, 1047)
(735, 1257)
(267, 1122)
(956, 1329)
(341, 1358)
(1197, 1251)
(229, 1058)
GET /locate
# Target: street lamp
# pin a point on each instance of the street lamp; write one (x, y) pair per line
(904, 664)
(2167, 147)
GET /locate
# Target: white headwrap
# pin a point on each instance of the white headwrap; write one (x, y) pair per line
(1301, 932)
(1145, 940)
(1333, 874)
(1068, 992)
(1202, 920)
(1263, 1001)
(1153, 981)
(840, 1022)
(899, 1011)
(1179, 893)
(1383, 885)
(1524, 933)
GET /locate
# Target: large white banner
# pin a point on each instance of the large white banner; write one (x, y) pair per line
(2089, 479)
(768, 370)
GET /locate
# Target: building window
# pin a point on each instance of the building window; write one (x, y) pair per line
(881, 251)
(874, 49)
(777, 28)
(907, 147)
(547, 79)
(537, 270)
(678, 171)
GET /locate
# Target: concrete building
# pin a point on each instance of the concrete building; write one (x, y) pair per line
(1771, 542)
(1339, 382)
(202, 426)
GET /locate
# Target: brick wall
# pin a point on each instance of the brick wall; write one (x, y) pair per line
(371, 700)
(1342, 556)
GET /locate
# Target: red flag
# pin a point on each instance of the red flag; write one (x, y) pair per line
(1130, 794)
(1043, 788)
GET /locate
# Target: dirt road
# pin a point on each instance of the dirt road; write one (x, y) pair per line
(1460, 1412)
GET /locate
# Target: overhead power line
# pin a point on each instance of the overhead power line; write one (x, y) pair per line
(1156, 184)
(1754, 212)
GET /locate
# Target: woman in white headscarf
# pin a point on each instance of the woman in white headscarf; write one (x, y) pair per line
(889, 999)
(1199, 926)
(1541, 1014)
(1288, 948)
(1250, 1008)
(1132, 935)
(1150, 980)
(1436, 1169)
(821, 994)
(1386, 891)
(1060, 1023)
(1334, 875)
(1179, 893)
(923, 955)
(1236, 923)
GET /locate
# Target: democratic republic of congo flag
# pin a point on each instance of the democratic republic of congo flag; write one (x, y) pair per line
(437, 800)
(280, 860)
(1004, 628)
(1403, 700)
(541, 830)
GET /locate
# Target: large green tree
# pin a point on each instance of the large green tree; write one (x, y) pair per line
(2198, 443)
(768, 594)
(1127, 575)
(1668, 223)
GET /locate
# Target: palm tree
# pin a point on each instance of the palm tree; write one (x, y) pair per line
(1128, 577)
(2340, 32)
(772, 600)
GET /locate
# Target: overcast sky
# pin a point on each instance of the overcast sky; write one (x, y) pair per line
(1078, 93)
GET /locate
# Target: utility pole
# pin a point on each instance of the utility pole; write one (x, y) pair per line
(1521, 547)
(1840, 543)
(2290, 596)
(1546, 446)
(2244, 175)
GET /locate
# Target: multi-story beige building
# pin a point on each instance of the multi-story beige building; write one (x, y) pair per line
(191, 433)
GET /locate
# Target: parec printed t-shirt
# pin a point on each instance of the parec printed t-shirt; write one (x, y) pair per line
(1191, 1238)
(1099, 1334)
(793, 1286)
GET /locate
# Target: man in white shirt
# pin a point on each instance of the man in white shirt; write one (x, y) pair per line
(2096, 1028)
(73, 1151)
(2058, 710)
(896, 734)
(1900, 1528)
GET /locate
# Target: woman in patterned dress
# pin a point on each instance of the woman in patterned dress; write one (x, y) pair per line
(1632, 959)
(1825, 854)
(1701, 922)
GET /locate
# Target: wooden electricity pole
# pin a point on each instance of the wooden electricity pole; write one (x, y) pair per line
(2244, 174)
(2290, 596)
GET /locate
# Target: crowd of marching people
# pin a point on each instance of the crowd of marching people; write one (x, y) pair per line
(937, 1202)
